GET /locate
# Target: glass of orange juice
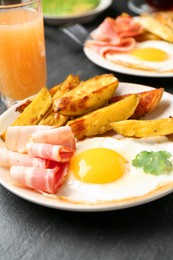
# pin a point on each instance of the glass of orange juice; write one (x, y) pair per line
(22, 50)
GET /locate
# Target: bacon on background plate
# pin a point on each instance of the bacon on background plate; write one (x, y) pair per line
(114, 35)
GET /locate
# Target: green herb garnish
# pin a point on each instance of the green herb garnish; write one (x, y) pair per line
(155, 163)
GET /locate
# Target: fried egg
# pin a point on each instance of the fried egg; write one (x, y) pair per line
(101, 170)
(151, 55)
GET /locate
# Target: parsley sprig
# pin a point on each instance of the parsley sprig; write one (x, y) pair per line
(155, 163)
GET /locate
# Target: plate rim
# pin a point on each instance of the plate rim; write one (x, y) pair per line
(106, 64)
(39, 199)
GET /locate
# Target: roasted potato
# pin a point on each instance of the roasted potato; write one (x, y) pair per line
(148, 101)
(22, 107)
(87, 96)
(152, 24)
(35, 111)
(52, 117)
(98, 121)
(146, 36)
(68, 84)
(144, 128)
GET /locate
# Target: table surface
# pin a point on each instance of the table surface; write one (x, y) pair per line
(30, 231)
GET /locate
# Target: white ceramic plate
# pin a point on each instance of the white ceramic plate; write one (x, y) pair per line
(80, 18)
(104, 63)
(165, 109)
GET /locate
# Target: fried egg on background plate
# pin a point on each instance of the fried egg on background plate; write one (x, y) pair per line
(148, 55)
(101, 170)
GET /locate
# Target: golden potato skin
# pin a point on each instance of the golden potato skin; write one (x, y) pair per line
(144, 128)
(53, 118)
(36, 110)
(98, 121)
(68, 84)
(22, 107)
(148, 101)
(87, 96)
(154, 25)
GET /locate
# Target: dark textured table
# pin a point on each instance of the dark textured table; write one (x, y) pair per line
(30, 231)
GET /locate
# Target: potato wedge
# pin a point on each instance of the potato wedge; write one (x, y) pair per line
(22, 107)
(146, 36)
(144, 128)
(148, 101)
(98, 121)
(57, 91)
(151, 24)
(35, 111)
(51, 117)
(68, 84)
(87, 96)
(54, 119)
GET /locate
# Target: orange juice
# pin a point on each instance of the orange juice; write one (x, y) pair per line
(22, 53)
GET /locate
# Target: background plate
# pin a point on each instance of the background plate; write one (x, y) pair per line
(104, 63)
(82, 18)
(165, 109)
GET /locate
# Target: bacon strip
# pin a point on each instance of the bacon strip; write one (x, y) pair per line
(17, 136)
(112, 30)
(126, 26)
(42, 180)
(48, 151)
(114, 35)
(106, 32)
(9, 158)
(58, 136)
(103, 48)
(45, 165)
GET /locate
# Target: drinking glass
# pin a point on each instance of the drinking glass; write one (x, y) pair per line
(22, 50)
(147, 6)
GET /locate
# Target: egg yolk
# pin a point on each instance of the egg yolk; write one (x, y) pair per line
(98, 166)
(150, 54)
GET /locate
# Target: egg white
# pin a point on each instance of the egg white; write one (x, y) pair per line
(128, 60)
(134, 183)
